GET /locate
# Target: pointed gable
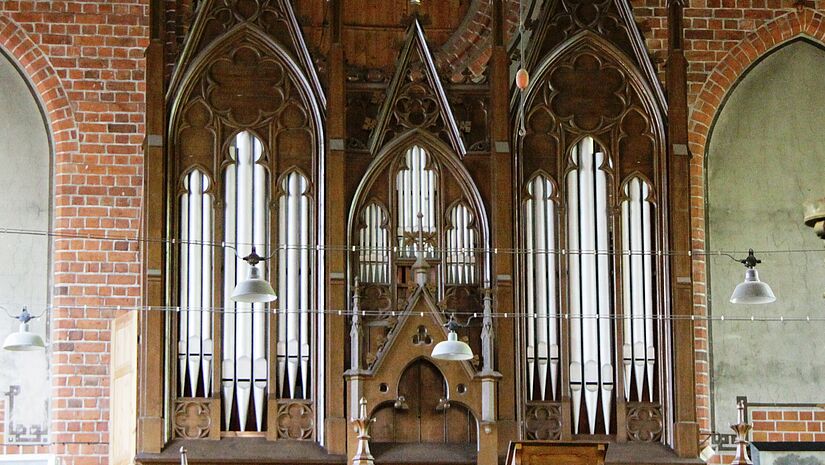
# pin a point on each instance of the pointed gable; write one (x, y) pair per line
(275, 19)
(416, 98)
(611, 20)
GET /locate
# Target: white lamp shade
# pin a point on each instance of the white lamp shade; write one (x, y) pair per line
(752, 290)
(452, 349)
(23, 340)
(254, 289)
(707, 452)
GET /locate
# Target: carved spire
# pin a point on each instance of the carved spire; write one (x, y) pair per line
(356, 333)
(421, 268)
(741, 429)
(362, 456)
(487, 333)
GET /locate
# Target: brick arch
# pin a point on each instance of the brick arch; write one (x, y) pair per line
(726, 73)
(720, 82)
(50, 92)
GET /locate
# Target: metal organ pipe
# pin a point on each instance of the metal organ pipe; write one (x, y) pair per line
(373, 242)
(294, 324)
(460, 240)
(591, 359)
(195, 326)
(541, 300)
(637, 267)
(230, 278)
(244, 377)
(417, 193)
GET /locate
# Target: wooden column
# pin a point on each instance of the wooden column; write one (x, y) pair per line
(336, 224)
(502, 230)
(686, 429)
(151, 342)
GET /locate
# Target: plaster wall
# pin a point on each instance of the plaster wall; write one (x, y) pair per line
(766, 156)
(25, 192)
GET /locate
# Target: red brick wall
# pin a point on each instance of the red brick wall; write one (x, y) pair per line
(85, 59)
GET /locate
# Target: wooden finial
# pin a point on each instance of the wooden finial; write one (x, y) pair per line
(362, 456)
(741, 429)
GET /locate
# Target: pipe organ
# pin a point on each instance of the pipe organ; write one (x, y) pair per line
(589, 287)
(638, 291)
(294, 286)
(389, 192)
(195, 345)
(244, 381)
(374, 244)
(461, 246)
(417, 195)
(541, 277)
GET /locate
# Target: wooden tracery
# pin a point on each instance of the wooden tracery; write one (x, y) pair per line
(245, 128)
(591, 166)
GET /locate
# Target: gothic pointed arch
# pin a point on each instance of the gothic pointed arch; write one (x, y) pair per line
(215, 19)
(416, 98)
(590, 159)
(455, 183)
(245, 137)
(611, 20)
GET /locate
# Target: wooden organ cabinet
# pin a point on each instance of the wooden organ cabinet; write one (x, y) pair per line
(393, 180)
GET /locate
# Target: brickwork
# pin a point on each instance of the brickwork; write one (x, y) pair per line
(717, 60)
(85, 60)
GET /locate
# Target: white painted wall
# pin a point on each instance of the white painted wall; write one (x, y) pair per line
(25, 193)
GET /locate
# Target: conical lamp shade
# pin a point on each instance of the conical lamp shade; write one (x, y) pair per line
(254, 289)
(752, 290)
(452, 349)
(23, 340)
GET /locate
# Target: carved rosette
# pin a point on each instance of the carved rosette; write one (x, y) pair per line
(192, 418)
(296, 420)
(543, 421)
(644, 421)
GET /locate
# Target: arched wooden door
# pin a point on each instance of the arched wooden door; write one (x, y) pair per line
(422, 413)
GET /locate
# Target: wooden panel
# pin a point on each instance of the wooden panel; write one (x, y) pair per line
(123, 390)
(540, 453)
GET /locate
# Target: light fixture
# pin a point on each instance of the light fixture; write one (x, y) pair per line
(708, 452)
(23, 339)
(452, 348)
(752, 290)
(254, 289)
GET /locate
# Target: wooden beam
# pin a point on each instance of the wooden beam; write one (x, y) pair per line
(686, 429)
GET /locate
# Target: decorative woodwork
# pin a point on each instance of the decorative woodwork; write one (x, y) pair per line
(591, 79)
(644, 422)
(244, 65)
(543, 421)
(193, 419)
(296, 420)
